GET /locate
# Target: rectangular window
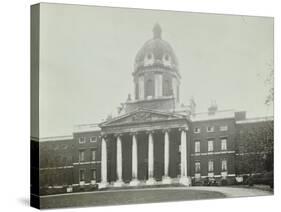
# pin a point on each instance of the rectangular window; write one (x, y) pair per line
(82, 175)
(223, 144)
(93, 174)
(93, 139)
(196, 130)
(210, 129)
(81, 155)
(197, 146)
(93, 153)
(211, 166)
(82, 140)
(224, 165)
(210, 145)
(197, 167)
(224, 128)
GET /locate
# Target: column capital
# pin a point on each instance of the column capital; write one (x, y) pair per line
(149, 131)
(117, 135)
(133, 133)
(183, 128)
(166, 130)
(103, 135)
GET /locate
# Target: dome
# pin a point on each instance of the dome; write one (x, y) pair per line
(156, 52)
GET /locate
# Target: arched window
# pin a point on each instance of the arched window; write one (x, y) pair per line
(149, 88)
(167, 87)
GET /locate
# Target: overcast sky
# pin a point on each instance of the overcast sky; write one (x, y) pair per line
(87, 58)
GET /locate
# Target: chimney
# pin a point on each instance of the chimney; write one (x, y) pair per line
(240, 115)
(213, 108)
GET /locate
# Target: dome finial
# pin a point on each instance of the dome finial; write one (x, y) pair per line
(157, 31)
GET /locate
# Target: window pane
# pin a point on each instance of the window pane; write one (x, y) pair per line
(197, 146)
(224, 165)
(82, 175)
(93, 174)
(81, 155)
(224, 144)
(93, 154)
(210, 146)
(93, 139)
(211, 166)
(197, 167)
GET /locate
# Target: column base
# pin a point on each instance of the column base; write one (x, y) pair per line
(134, 182)
(150, 181)
(184, 180)
(103, 185)
(118, 183)
(166, 180)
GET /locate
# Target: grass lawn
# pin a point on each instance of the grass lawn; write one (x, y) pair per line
(126, 197)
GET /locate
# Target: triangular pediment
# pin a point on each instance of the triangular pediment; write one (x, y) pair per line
(141, 116)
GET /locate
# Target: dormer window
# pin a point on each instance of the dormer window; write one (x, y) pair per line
(166, 60)
(148, 60)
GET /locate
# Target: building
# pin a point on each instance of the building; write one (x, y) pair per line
(154, 139)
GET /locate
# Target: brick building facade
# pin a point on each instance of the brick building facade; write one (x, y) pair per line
(154, 139)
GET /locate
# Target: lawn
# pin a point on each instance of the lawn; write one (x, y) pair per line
(126, 197)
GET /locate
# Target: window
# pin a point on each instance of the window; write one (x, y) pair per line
(196, 130)
(81, 155)
(197, 167)
(211, 166)
(82, 175)
(223, 144)
(224, 165)
(93, 174)
(210, 145)
(82, 140)
(224, 128)
(149, 87)
(93, 154)
(197, 146)
(93, 139)
(210, 129)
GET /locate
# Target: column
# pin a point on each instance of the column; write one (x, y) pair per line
(166, 179)
(104, 182)
(151, 179)
(184, 179)
(119, 181)
(134, 181)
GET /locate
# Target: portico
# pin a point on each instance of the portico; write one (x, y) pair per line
(144, 147)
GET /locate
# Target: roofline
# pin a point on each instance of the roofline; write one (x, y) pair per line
(256, 119)
(86, 128)
(52, 138)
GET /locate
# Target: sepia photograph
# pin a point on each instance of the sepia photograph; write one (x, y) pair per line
(134, 106)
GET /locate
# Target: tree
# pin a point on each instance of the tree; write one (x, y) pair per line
(255, 148)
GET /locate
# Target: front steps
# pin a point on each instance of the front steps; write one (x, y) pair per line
(165, 182)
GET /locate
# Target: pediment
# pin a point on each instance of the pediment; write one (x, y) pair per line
(141, 116)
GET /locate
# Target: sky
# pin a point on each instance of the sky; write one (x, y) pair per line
(87, 58)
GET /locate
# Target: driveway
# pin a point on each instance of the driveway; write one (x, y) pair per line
(146, 195)
(234, 191)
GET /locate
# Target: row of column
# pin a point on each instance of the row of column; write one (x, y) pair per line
(166, 179)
